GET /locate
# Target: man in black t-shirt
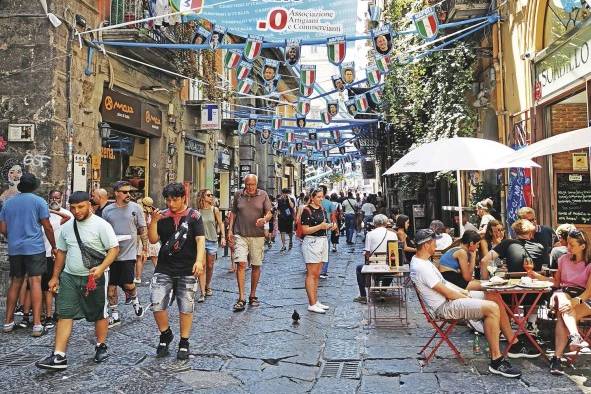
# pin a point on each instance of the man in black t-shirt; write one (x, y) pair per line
(285, 217)
(180, 262)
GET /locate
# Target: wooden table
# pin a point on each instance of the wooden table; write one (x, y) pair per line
(375, 274)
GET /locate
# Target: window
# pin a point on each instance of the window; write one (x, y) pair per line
(559, 22)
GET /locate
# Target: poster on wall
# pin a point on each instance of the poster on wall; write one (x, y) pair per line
(80, 180)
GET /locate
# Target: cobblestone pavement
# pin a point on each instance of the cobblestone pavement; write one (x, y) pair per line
(260, 351)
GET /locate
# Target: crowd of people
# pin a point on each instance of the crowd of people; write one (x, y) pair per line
(78, 259)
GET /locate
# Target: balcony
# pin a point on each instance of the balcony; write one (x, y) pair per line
(119, 11)
(458, 10)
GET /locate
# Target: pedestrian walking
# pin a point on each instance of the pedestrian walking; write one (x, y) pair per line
(315, 247)
(127, 219)
(212, 222)
(350, 208)
(285, 218)
(21, 220)
(251, 209)
(86, 246)
(329, 216)
(335, 234)
(57, 217)
(100, 199)
(180, 262)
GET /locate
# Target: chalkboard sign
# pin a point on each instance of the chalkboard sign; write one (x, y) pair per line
(573, 198)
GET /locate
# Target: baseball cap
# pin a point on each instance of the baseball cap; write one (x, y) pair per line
(425, 235)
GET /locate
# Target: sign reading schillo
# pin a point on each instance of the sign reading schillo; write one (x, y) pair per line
(564, 65)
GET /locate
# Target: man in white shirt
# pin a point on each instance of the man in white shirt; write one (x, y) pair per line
(447, 301)
(444, 240)
(376, 242)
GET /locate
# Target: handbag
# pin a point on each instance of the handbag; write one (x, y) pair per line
(90, 257)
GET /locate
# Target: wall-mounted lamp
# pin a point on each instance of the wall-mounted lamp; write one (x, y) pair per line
(171, 149)
(105, 129)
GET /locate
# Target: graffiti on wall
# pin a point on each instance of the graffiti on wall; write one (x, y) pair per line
(11, 173)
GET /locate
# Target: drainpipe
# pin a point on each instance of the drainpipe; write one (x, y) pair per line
(69, 121)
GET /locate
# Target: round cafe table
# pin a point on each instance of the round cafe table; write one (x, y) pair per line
(517, 295)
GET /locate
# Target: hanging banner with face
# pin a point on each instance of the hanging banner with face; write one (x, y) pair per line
(252, 47)
(275, 145)
(309, 153)
(383, 63)
(217, 36)
(232, 58)
(292, 52)
(332, 107)
(351, 107)
(382, 39)
(426, 23)
(289, 136)
(299, 146)
(276, 123)
(270, 86)
(338, 83)
(308, 74)
(361, 102)
(243, 69)
(374, 12)
(262, 140)
(342, 150)
(252, 123)
(336, 49)
(270, 70)
(325, 117)
(245, 85)
(242, 127)
(303, 106)
(200, 36)
(373, 76)
(312, 135)
(336, 135)
(306, 91)
(348, 72)
(266, 133)
(300, 121)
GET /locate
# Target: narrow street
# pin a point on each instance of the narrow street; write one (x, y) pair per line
(260, 351)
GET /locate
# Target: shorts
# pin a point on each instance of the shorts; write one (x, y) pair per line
(72, 303)
(122, 273)
(211, 247)
(184, 290)
(31, 265)
(249, 249)
(315, 249)
(46, 277)
(463, 308)
(285, 225)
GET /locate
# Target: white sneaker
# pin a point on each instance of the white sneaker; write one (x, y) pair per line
(316, 309)
(137, 281)
(325, 307)
(476, 325)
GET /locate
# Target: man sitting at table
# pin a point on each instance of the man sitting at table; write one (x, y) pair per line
(447, 301)
(376, 242)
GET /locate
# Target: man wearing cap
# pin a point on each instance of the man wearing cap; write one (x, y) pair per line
(78, 296)
(127, 219)
(447, 301)
(21, 219)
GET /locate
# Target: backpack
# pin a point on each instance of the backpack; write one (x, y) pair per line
(299, 231)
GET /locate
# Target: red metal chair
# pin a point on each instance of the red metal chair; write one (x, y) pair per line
(586, 321)
(443, 328)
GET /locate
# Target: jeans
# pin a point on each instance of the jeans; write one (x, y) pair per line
(325, 263)
(360, 280)
(349, 226)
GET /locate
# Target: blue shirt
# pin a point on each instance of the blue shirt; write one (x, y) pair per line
(22, 214)
(329, 208)
(448, 259)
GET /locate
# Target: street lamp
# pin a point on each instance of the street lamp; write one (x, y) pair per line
(171, 149)
(105, 129)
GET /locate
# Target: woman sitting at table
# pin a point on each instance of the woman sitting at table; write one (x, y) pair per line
(457, 264)
(494, 234)
(574, 298)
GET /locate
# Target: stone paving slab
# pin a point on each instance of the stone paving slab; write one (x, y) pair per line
(261, 351)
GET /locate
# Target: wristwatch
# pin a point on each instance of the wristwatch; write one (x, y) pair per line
(580, 299)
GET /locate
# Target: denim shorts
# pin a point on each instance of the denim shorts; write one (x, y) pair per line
(184, 291)
(211, 247)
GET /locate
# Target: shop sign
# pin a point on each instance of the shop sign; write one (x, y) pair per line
(224, 159)
(210, 117)
(245, 169)
(194, 147)
(568, 63)
(151, 120)
(130, 112)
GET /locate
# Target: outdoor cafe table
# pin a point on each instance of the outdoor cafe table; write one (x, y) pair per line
(398, 274)
(518, 295)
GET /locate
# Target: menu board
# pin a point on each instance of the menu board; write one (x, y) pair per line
(573, 198)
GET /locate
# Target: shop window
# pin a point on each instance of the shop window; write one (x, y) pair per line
(124, 157)
(559, 22)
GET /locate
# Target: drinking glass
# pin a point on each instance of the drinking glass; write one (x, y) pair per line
(528, 264)
(492, 268)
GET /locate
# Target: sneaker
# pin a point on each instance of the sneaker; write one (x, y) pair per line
(201, 298)
(283, 249)
(128, 298)
(8, 327)
(476, 325)
(39, 331)
(523, 350)
(576, 341)
(137, 281)
(100, 354)
(138, 309)
(54, 362)
(208, 292)
(323, 276)
(334, 249)
(24, 323)
(19, 311)
(315, 309)
(556, 367)
(183, 353)
(162, 349)
(114, 322)
(505, 369)
(325, 307)
(49, 323)
(360, 299)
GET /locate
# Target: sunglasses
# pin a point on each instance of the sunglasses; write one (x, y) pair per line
(208, 195)
(576, 234)
(123, 191)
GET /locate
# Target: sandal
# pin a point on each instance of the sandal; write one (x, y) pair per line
(208, 292)
(253, 301)
(239, 305)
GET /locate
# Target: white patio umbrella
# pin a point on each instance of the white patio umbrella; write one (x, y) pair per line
(458, 154)
(572, 140)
